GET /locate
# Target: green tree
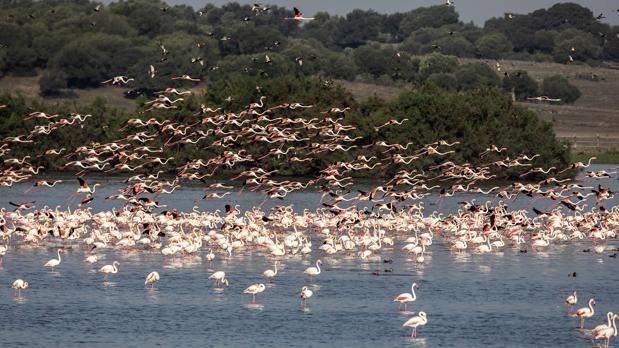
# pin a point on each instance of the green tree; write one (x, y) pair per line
(493, 45)
(476, 75)
(437, 63)
(521, 84)
(558, 86)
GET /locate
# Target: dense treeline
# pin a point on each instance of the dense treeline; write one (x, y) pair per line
(80, 45)
(476, 119)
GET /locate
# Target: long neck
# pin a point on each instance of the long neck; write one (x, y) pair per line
(413, 292)
(59, 255)
(614, 326)
(591, 307)
(276, 268)
(318, 266)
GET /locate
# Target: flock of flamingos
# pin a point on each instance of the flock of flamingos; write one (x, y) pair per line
(258, 143)
(255, 143)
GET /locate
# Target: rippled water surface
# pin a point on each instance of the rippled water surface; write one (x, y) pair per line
(507, 298)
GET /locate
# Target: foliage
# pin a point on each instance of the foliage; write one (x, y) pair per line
(521, 84)
(557, 86)
(127, 37)
(476, 75)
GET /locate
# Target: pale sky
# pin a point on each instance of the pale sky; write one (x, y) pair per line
(475, 10)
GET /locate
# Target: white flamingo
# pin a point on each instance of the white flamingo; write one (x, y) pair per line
(416, 321)
(151, 279)
(407, 297)
(109, 269)
(54, 262)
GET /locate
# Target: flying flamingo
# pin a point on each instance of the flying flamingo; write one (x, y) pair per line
(413, 322)
(407, 297)
(107, 269)
(53, 262)
(298, 16)
(585, 312)
(253, 290)
(151, 278)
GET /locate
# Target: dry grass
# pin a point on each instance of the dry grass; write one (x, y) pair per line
(596, 112)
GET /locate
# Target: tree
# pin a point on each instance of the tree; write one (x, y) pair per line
(493, 45)
(557, 86)
(576, 44)
(521, 84)
(52, 82)
(437, 63)
(476, 75)
(433, 16)
(443, 80)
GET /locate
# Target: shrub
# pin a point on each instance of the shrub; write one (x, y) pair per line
(521, 83)
(557, 86)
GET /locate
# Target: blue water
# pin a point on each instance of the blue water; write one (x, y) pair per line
(504, 299)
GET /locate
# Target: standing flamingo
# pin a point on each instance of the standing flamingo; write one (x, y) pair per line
(151, 279)
(220, 277)
(407, 297)
(253, 290)
(269, 274)
(413, 322)
(585, 312)
(606, 331)
(313, 271)
(107, 269)
(305, 294)
(18, 285)
(53, 262)
(572, 299)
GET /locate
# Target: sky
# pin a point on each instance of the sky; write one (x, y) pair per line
(477, 11)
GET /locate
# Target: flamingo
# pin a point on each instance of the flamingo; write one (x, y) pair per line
(407, 297)
(585, 312)
(572, 299)
(107, 269)
(606, 330)
(415, 321)
(54, 262)
(298, 16)
(220, 277)
(313, 271)
(305, 294)
(269, 273)
(253, 290)
(151, 279)
(18, 285)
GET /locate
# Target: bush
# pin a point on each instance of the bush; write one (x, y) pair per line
(493, 45)
(557, 86)
(435, 63)
(476, 75)
(522, 85)
(443, 80)
(52, 82)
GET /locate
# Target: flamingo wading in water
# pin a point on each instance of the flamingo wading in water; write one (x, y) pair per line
(420, 320)
(403, 298)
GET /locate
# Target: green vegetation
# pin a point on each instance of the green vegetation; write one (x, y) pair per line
(557, 86)
(79, 47)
